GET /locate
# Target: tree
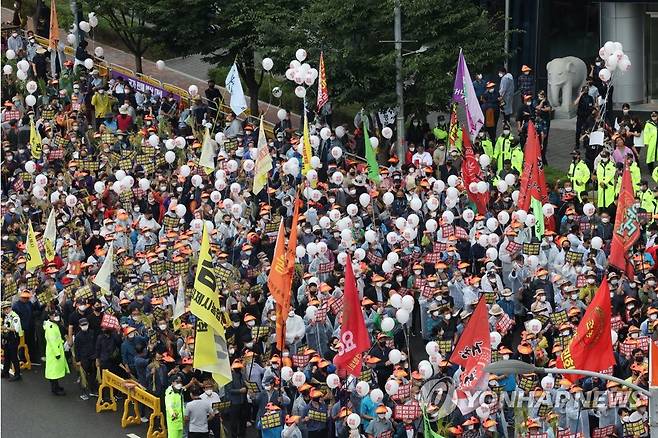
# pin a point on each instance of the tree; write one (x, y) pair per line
(131, 21)
(227, 31)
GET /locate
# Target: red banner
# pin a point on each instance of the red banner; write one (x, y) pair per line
(472, 173)
(533, 182)
(627, 226)
(473, 350)
(591, 347)
(354, 339)
(323, 92)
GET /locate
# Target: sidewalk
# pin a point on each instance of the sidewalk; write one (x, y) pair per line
(168, 75)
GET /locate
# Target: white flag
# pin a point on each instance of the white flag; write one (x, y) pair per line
(102, 278)
(49, 236)
(179, 307)
(263, 160)
(207, 158)
(234, 86)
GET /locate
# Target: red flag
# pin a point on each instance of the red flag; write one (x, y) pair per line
(472, 173)
(323, 92)
(627, 226)
(591, 347)
(473, 350)
(354, 339)
(533, 182)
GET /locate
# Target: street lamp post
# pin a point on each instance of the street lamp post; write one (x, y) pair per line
(520, 367)
(399, 86)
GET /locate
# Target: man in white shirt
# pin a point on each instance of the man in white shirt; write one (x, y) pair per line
(197, 414)
(211, 396)
(421, 157)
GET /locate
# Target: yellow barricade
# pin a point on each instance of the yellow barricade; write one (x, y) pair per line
(27, 363)
(135, 395)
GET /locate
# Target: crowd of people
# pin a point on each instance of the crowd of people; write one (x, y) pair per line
(117, 169)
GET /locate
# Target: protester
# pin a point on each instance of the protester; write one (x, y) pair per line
(122, 206)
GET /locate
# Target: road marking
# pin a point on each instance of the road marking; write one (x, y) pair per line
(132, 435)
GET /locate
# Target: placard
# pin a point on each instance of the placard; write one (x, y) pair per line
(407, 411)
(574, 257)
(527, 383)
(559, 318)
(252, 387)
(221, 406)
(636, 428)
(270, 420)
(318, 416)
(531, 249)
(596, 138)
(504, 324)
(513, 247)
(258, 332)
(604, 432)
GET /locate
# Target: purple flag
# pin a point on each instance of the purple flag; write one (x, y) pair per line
(465, 93)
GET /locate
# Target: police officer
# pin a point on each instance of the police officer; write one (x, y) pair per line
(578, 174)
(56, 365)
(605, 177)
(11, 333)
(174, 407)
(503, 148)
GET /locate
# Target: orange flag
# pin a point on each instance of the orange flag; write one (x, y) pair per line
(54, 26)
(279, 281)
(591, 347)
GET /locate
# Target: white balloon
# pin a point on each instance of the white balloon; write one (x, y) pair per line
(325, 133)
(597, 242)
(286, 374)
(431, 225)
(99, 187)
(452, 193)
(604, 74)
(354, 420)
(548, 210)
(160, 64)
(98, 51)
(193, 90)
(387, 267)
(453, 180)
(485, 160)
(502, 186)
(89, 63)
(30, 167)
(425, 369)
(84, 26)
(180, 210)
(387, 324)
(144, 184)
(415, 203)
(483, 187)
(609, 48)
(170, 157)
(267, 64)
(31, 86)
(589, 209)
(7, 69)
(362, 388)
(364, 199)
(21, 75)
(402, 315)
(388, 198)
(196, 180)
(311, 312)
(468, 215)
(394, 356)
(448, 217)
(10, 54)
(392, 387)
(71, 200)
(333, 381)
(340, 131)
(521, 215)
(387, 132)
(300, 92)
(300, 54)
(23, 65)
(432, 348)
(433, 203)
(408, 303)
(548, 382)
(413, 220)
(336, 152)
(530, 220)
(154, 140)
(376, 395)
(503, 217)
(282, 114)
(495, 339)
(492, 254)
(298, 378)
(71, 39)
(492, 224)
(248, 165)
(180, 142)
(359, 254)
(311, 249)
(510, 179)
(374, 142)
(185, 170)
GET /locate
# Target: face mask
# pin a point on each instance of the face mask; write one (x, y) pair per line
(162, 326)
(249, 344)
(273, 318)
(251, 323)
(82, 307)
(131, 335)
(590, 281)
(505, 131)
(605, 220)
(236, 324)
(381, 416)
(399, 278)
(84, 328)
(625, 111)
(634, 335)
(500, 75)
(208, 392)
(178, 386)
(267, 387)
(510, 298)
(542, 299)
(447, 316)
(291, 314)
(417, 272)
(56, 318)
(505, 356)
(12, 210)
(653, 317)
(565, 333)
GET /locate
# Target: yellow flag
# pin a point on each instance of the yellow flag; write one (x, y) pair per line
(49, 237)
(263, 160)
(35, 141)
(307, 153)
(210, 350)
(33, 255)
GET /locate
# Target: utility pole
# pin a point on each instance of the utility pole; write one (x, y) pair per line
(399, 85)
(506, 32)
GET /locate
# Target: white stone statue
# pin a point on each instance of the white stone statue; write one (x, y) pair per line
(565, 78)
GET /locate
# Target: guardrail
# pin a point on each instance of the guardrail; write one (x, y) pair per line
(135, 395)
(106, 68)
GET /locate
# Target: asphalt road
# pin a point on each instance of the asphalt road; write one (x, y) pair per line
(30, 410)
